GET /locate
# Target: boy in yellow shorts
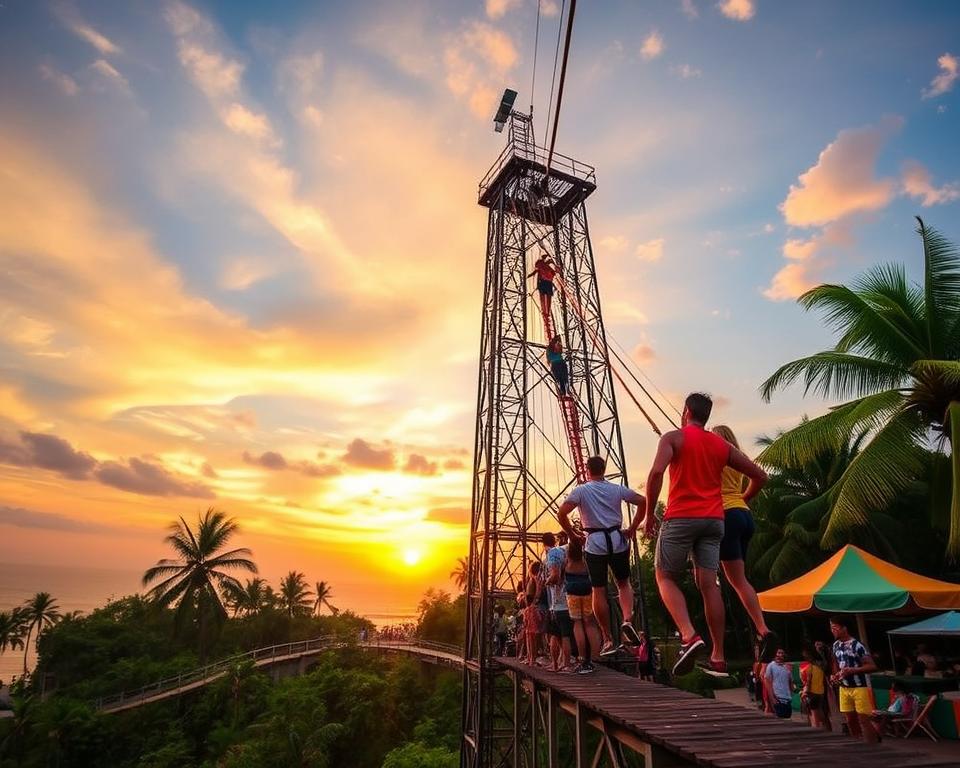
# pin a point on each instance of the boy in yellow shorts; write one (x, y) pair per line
(851, 665)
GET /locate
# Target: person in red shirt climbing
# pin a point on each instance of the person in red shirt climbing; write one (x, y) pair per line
(694, 523)
(545, 270)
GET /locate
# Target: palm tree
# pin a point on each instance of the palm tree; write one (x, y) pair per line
(294, 594)
(323, 595)
(897, 358)
(461, 573)
(39, 612)
(11, 629)
(197, 579)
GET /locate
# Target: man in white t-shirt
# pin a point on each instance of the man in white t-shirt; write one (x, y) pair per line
(607, 545)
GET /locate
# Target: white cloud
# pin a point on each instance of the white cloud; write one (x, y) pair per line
(652, 250)
(71, 19)
(918, 183)
(686, 71)
(110, 73)
(843, 180)
(689, 9)
(477, 60)
(653, 46)
(63, 81)
(739, 10)
(949, 72)
(549, 8)
(497, 9)
(245, 122)
(615, 243)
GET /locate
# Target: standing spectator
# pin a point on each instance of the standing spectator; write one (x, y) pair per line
(851, 665)
(778, 683)
(500, 630)
(559, 626)
(813, 692)
(532, 619)
(579, 603)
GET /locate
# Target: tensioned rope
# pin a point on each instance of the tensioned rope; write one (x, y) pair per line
(536, 48)
(563, 77)
(553, 77)
(604, 350)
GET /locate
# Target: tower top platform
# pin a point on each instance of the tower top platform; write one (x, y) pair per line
(520, 172)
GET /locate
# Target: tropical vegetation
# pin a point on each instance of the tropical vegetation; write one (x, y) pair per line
(896, 363)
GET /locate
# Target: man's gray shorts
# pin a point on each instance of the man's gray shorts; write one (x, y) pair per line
(681, 536)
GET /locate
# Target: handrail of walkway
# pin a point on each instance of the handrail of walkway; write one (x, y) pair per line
(263, 657)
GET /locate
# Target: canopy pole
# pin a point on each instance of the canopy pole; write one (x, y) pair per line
(862, 631)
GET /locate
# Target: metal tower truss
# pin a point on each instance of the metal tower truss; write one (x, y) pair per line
(526, 435)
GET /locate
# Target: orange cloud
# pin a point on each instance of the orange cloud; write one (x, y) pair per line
(478, 60)
(738, 10)
(918, 183)
(653, 46)
(843, 180)
(943, 82)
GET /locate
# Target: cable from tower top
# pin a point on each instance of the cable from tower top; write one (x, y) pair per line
(536, 48)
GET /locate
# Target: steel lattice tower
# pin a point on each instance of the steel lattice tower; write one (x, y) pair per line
(521, 471)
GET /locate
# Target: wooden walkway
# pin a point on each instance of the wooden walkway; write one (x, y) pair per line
(671, 727)
(299, 652)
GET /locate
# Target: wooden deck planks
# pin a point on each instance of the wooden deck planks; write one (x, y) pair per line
(711, 733)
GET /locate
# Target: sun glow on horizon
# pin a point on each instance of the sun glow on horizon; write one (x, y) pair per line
(412, 556)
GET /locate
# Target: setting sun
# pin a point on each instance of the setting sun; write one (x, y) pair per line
(412, 557)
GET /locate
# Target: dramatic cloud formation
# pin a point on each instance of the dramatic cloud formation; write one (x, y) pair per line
(149, 479)
(949, 72)
(918, 183)
(739, 10)
(361, 454)
(843, 180)
(47, 452)
(653, 46)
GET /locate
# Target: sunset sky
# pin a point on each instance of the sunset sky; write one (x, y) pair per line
(241, 256)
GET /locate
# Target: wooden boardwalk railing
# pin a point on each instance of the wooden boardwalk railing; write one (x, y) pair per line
(671, 727)
(437, 653)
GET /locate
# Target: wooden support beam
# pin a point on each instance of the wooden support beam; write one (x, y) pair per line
(553, 747)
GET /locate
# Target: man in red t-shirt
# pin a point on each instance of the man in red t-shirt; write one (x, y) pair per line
(693, 523)
(545, 270)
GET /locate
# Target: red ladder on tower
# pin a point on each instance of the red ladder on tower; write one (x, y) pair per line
(571, 418)
(571, 423)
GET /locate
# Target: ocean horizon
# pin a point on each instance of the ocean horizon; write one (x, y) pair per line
(81, 588)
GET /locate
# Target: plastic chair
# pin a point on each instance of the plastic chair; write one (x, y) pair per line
(921, 719)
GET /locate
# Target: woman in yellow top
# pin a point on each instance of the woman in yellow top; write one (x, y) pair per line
(814, 690)
(737, 531)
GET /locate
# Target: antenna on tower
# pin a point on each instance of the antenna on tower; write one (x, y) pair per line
(503, 112)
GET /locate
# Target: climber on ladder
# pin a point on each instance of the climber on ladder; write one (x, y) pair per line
(558, 366)
(545, 270)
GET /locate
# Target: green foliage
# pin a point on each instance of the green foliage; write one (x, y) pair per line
(197, 581)
(896, 357)
(416, 755)
(441, 619)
